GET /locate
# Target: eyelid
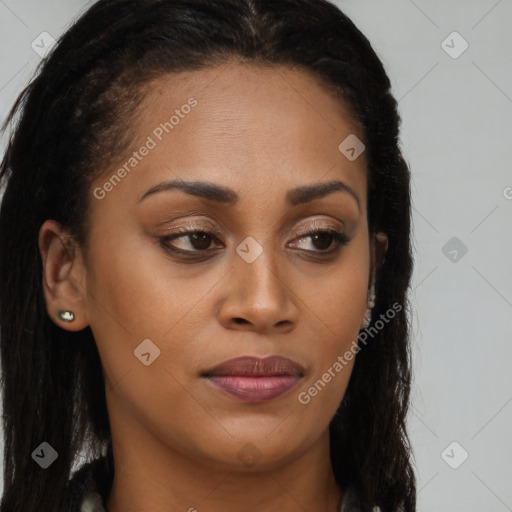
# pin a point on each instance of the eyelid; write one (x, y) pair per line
(340, 238)
(191, 226)
(304, 226)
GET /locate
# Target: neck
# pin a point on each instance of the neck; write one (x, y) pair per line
(152, 476)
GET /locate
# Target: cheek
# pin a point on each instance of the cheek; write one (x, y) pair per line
(333, 314)
(136, 288)
(136, 294)
(335, 303)
(332, 351)
(322, 394)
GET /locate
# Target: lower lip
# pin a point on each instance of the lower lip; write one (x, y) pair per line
(255, 389)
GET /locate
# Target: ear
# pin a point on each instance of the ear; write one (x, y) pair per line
(380, 247)
(63, 276)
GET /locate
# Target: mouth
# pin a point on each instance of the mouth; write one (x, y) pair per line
(255, 380)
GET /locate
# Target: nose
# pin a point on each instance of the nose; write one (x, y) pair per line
(259, 296)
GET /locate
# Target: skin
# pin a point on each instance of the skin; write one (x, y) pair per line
(177, 440)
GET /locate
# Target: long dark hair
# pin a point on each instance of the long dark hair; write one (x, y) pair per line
(73, 119)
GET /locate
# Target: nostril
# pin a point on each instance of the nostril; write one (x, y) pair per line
(240, 320)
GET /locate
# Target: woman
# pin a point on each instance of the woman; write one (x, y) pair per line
(270, 372)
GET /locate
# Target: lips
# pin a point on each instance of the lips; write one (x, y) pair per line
(255, 380)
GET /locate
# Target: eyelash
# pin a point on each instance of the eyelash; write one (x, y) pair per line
(340, 240)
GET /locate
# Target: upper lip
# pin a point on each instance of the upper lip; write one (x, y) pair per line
(254, 366)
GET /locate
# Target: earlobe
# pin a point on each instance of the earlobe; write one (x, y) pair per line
(63, 277)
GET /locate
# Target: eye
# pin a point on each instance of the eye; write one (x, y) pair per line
(327, 241)
(325, 238)
(199, 241)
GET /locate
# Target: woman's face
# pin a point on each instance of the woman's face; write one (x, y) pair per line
(243, 143)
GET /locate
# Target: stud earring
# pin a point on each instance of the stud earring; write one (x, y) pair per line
(66, 316)
(371, 303)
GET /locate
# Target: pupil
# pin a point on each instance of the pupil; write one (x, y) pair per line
(324, 236)
(202, 238)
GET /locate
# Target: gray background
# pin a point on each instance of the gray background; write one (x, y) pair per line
(456, 135)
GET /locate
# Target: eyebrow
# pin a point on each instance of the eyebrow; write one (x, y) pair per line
(224, 195)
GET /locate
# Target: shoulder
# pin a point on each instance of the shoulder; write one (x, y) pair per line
(88, 487)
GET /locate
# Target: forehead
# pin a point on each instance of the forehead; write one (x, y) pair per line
(250, 127)
(239, 93)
